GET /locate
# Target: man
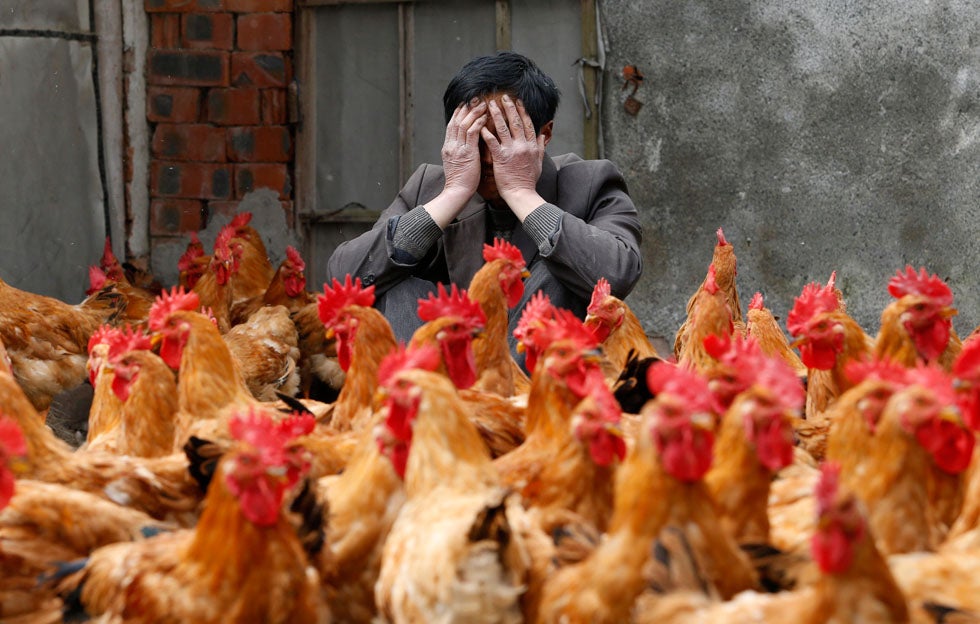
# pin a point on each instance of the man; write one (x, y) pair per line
(572, 219)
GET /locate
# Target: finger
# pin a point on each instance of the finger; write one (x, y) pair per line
(474, 112)
(513, 118)
(473, 132)
(499, 123)
(452, 128)
(526, 120)
(492, 143)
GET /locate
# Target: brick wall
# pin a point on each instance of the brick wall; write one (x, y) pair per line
(217, 77)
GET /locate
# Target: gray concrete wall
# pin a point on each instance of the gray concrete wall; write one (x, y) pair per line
(834, 135)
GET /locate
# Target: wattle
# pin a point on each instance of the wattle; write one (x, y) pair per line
(931, 341)
(950, 445)
(817, 356)
(460, 362)
(832, 550)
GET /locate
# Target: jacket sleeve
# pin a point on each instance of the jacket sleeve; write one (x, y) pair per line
(371, 255)
(605, 242)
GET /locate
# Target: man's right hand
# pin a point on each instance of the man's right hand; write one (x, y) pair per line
(460, 159)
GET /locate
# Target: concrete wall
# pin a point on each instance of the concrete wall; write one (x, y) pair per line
(835, 135)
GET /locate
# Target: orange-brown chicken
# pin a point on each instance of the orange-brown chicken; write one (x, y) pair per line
(266, 351)
(855, 584)
(192, 263)
(617, 329)
(287, 288)
(762, 325)
(104, 413)
(917, 327)
(452, 549)
(497, 287)
(255, 272)
(243, 562)
(214, 288)
(710, 315)
(147, 388)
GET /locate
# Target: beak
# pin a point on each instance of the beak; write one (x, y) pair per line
(19, 465)
(614, 429)
(276, 471)
(329, 333)
(592, 356)
(704, 421)
(795, 344)
(520, 348)
(155, 340)
(525, 274)
(477, 332)
(951, 413)
(948, 313)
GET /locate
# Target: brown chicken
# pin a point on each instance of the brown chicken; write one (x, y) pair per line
(497, 287)
(617, 329)
(266, 351)
(363, 337)
(452, 549)
(134, 303)
(855, 583)
(320, 374)
(710, 315)
(192, 263)
(655, 478)
(243, 562)
(917, 327)
(763, 326)
(214, 288)
(147, 388)
(104, 414)
(47, 339)
(723, 278)
(255, 272)
(287, 288)
(755, 441)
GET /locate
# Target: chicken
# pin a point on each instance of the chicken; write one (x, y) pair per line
(161, 487)
(47, 339)
(655, 478)
(214, 288)
(104, 415)
(497, 287)
(917, 326)
(855, 584)
(44, 523)
(255, 272)
(564, 374)
(134, 304)
(618, 331)
(725, 269)
(755, 441)
(287, 288)
(147, 388)
(710, 315)
(828, 339)
(451, 554)
(192, 263)
(762, 325)
(320, 374)
(243, 562)
(363, 337)
(266, 351)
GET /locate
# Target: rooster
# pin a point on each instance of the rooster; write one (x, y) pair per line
(452, 549)
(674, 450)
(109, 276)
(855, 584)
(104, 414)
(497, 287)
(723, 277)
(255, 272)
(917, 326)
(266, 350)
(763, 326)
(710, 315)
(617, 329)
(243, 562)
(320, 374)
(287, 288)
(147, 389)
(192, 263)
(214, 288)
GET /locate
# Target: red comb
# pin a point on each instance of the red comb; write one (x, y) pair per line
(922, 284)
(102, 335)
(194, 250)
(756, 303)
(566, 326)
(257, 429)
(97, 279)
(334, 299)
(128, 339)
(709, 282)
(110, 263)
(832, 280)
(295, 259)
(454, 303)
(503, 249)
(240, 220)
(967, 363)
(781, 380)
(827, 486)
(167, 303)
(935, 379)
(687, 384)
(12, 441)
(721, 238)
(538, 310)
(600, 292)
(815, 299)
(425, 357)
(883, 370)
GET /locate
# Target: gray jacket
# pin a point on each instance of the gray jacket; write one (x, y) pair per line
(599, 234)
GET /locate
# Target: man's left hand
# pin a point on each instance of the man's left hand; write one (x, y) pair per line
(517, 155)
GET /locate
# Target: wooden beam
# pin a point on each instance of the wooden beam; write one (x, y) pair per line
(314, 3)
(590, 50)
(406, 55)
(502, 21)
(305, 166)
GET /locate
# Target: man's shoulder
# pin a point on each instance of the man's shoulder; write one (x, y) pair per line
(573, 165)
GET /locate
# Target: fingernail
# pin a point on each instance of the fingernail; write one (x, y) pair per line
(506, 98)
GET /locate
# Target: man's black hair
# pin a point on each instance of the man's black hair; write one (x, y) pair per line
(505, 72)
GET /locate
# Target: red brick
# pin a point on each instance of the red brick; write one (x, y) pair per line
(274, 109)
(197, 142)
(191, 180)
(259, 69)
(254, 176)
(230, 208)
(259, 144)
(173, 104)
(208, 30)
(165, 30)
(183, 6)
(259, 6)
(265, 31)
(233, 107)
(169, 217)
(202, 68)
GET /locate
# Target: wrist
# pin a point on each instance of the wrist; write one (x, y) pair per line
(446, 205)
(522, 201)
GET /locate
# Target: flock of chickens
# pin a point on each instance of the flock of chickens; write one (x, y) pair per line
(257, 453)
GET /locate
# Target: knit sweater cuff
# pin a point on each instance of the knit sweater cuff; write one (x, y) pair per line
(415, 233)
(542, 226)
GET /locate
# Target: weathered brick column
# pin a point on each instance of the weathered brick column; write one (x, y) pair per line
(217, 75)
